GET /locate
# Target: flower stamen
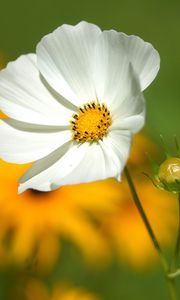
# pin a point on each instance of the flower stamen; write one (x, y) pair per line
(91, 122)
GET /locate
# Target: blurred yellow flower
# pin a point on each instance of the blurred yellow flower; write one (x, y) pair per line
(36, 290)
(35, 219)
(90, 215)
(61, 293)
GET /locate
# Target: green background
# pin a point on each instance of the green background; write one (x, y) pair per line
(23, 23)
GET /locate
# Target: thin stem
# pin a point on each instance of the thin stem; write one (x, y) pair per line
(163, 260)
(172, 288)
(146, 222)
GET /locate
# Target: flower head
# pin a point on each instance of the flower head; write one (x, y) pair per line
(74, 105)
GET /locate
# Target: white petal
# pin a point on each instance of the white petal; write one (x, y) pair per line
(92, 167)
(111, 73)
(144, 58)
(79, 163)
(25, 96)
(58, 164)
(89, 161)
(132, 123)
(117, 84)
(21, 142)
(117, 148)
(102, 160)
(130, 114)
(66, 58)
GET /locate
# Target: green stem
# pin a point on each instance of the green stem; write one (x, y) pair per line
(172, 288)
(146, 222)
(163, 260)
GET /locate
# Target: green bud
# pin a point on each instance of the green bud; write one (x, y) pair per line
(169, 170)
(167, 175)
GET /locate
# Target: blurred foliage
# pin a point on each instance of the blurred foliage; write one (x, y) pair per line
(22, 24)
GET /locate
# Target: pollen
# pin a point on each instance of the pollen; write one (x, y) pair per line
(91, 122)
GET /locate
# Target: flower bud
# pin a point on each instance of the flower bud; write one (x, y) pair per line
(167, 175)
(169, 170)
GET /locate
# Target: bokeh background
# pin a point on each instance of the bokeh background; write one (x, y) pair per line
(87, 242)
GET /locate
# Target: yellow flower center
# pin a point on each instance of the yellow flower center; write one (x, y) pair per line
(91, 122)
(169, 170)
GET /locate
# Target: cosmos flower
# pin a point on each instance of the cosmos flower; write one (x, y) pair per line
(74, 105)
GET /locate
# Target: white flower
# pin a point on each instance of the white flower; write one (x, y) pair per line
(81, 75)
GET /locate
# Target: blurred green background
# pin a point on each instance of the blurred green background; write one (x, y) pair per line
(23, 23)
